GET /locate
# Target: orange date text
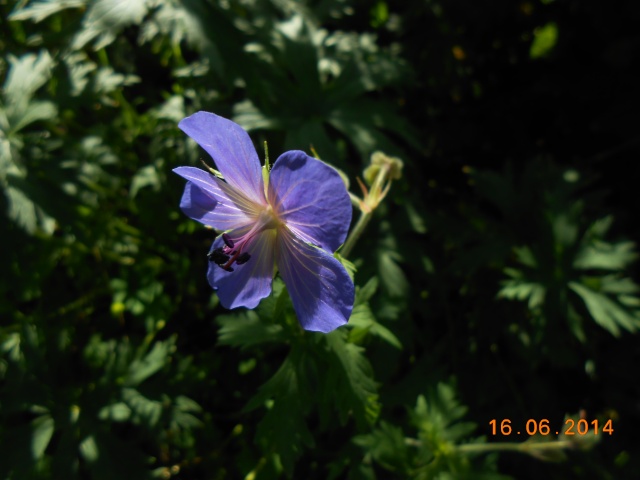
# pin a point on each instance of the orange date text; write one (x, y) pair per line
(533, 427)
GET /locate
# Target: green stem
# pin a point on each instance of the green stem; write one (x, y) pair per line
(252, 474)
(517, 447)
(367, 205)
(355, 234)
(355, 201)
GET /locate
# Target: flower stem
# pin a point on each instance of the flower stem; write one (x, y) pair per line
(523, 447)
(378, 175)
(354, 235)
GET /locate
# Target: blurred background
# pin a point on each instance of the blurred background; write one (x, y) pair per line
(498, 280)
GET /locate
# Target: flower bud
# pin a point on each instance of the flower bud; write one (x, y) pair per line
(378, 161)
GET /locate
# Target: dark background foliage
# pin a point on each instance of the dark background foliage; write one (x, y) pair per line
(496, 281)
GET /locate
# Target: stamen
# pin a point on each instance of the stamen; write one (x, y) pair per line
(217, 256)
(243, 258)
(227, 266)
(232, 250)
(227, 240)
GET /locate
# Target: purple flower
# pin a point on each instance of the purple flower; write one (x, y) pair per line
(293, 217)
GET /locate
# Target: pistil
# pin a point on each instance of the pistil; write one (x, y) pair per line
(232, 251)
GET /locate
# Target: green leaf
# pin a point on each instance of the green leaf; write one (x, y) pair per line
(606, 256)
(349, 266)
(362, 320)
(364, 294)
(575, 322)
(565, 229)
(89, 449)
(525, 256)
(79, 66)
(140, 370)
(246, 329)
(544, 40)
(600, 227)
(283, 429)
(379, 14)
(105, 19)
(182, 413)
(36, 110)
(107, 80)
(391, 275)
(117, 412)
(147, 176)
(387, 446)
(172, 109)
(437, 418)
(522, 290)
(247, 115)
(619, 286)
(607, 313)
(39, 10)
(26, 75)
(144, 411)
(43, 428)
(350, 381)
(21, 209)
(416, 218)
(363, 323)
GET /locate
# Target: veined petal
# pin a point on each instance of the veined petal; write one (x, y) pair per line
(231, 149)
(320, 288)
(209, 200)
(248, 283)
(310, 197)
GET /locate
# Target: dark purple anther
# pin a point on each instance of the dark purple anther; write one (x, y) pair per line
(227, 240)
(217, 256)
(243, 258)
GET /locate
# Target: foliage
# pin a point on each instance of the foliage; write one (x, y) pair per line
(496, 280)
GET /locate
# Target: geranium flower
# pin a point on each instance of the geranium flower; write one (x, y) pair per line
(293, 217)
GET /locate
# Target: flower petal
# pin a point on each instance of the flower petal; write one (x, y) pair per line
(311, 198)
(320, 288)
(209, 200)
(231, 149)
(248, 283)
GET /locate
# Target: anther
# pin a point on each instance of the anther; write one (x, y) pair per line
(217, 256)
(227, 240)
(243, 258)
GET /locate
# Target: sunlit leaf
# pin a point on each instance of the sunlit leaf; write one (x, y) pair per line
(43, 428)
(106, 18)
(606, 256)
(522, 290)
(40, 9)
(606, 312)
(26, 75)
(89, 450)
(118, 412)
(147, 176)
